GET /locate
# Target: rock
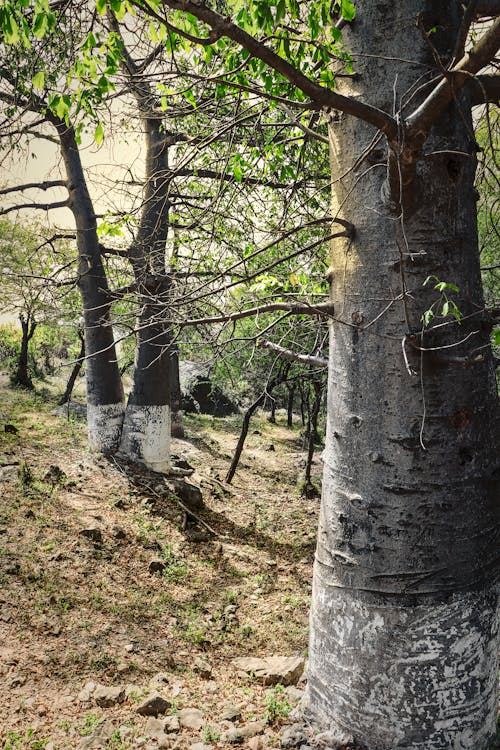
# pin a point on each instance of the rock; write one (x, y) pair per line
(125, 732)
(105, 697)
(189, 493)
(158, 681)
(93, 533)
(255, 743)
(202, 667)
(167, 741)
(293, 735)
(99, 737)
(191, 718)
(154, 728)
(272, 670)
(235, 735)
(71, 409)
(172, 724)
(156, 566)
(85, 694)
(230, 713)
(153, 706)
(200, 746)
(271, 448)
(294, 695)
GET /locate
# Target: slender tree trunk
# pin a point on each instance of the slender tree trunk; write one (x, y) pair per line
(74, 372)
(243, 436)
(22, 377)
(404, 622)
(289, 407)
(147, 424)
(105, 399)
(318, 386)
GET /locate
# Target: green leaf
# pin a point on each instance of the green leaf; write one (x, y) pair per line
(99, 134)
(38, 80)
(445, 309)
(347, 10)
(101, 7)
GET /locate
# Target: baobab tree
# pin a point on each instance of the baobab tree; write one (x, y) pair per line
(404, 622)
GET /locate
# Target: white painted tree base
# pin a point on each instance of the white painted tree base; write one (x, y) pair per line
(146, 436)
(409, 677)
(104, 423)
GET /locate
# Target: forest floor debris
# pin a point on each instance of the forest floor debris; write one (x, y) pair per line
(91, 631)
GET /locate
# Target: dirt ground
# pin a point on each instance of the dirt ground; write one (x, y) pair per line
(80, 601)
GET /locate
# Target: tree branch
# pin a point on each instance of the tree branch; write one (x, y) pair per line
(485, 88)
(38, 185)
(423, 118)
(38, 206)
(487, 8)
(305, 359)
(322, 96)
(321, 309)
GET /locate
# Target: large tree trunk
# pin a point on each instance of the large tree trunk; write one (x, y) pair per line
(404, 622)
(105, 398)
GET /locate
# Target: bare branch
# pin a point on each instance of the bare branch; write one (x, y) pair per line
(37, 185)
(485, 88)
(420, 122)
(38, 206)
(321, 309)
(305, 359)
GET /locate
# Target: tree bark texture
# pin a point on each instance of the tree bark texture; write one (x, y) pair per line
(404, 621)
(105, 398)
(146, 428)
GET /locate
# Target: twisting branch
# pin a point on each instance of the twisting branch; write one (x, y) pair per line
(305, 359)
(321, 309)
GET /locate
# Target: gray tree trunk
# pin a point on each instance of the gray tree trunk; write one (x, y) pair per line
(105, 398)
(147, 424)
(404, 621)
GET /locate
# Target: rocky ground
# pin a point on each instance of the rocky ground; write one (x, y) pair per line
(124, 621)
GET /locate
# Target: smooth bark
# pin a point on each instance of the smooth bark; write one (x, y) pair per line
(404, 622)
(105, 398)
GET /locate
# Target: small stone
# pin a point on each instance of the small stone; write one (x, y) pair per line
(202, 667)
(154, 728)
(200, 746)
(294, 695)
(255, 743)
(93, 533)
(271, 448)
(191, 718)
(235, 735)
(167, 741)
(293, 736)
(272, 670)
(105, 697)
(86, 693)
(153, 706)
(211, 686)
(125, 732)
(231, 713)
(99, 737)
(156, 566)
(172, 724)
